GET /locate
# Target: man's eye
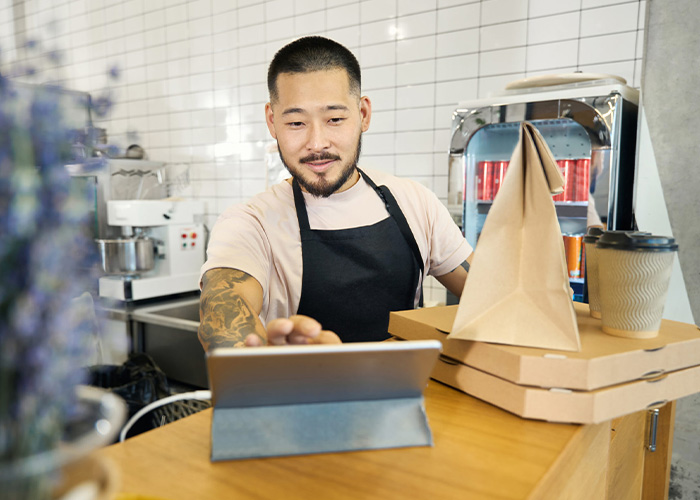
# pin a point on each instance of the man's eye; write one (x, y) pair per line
(336, 120)
(295, 124)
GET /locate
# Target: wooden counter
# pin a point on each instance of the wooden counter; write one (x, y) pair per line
(479, 452)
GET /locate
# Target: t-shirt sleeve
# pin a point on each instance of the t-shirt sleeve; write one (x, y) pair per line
(448, 247)
(442, 244)
(238, 241)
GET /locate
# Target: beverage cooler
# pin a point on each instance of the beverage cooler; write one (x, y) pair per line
(590, 127)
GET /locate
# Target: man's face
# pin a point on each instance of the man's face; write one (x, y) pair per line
(317, 123)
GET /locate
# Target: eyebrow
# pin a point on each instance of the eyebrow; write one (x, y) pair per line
(330, 107)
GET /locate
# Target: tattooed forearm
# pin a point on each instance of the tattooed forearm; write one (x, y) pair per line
(226, 314)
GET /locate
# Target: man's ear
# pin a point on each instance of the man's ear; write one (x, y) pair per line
(270, 120)
(365, 112)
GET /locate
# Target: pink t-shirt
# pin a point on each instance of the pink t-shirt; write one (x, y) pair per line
(261, 237)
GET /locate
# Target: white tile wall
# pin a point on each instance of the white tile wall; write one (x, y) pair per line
(548, 8)
(457, 42)
(502, 11)
(414, 96)
(551, 55)
(414, 73)
(459, 17)
(609, 19)
(378, 55)
(375, 11)
(406, 7)
(416, 49)
(499, 62)
(505, 35)
(553, 28)
(192, 83)
(605, 48)
(416, 25)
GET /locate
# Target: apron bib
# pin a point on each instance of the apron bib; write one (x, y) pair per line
(353, 277)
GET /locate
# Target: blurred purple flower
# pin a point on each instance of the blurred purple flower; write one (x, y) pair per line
(102, 105)
(45, 262)
(55, 56)
(114, 72)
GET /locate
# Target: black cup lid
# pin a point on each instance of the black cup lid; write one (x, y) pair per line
(593, 234)
(636, 241)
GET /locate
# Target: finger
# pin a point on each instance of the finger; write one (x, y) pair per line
(278, 330)
(326, 337)
(253, 340)
(298, 338)
(296, 329)
(306, 326)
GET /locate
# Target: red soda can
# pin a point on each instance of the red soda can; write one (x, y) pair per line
(560, 196)
(582, 179)
(499, 175)
(484, 180)
(567, 168)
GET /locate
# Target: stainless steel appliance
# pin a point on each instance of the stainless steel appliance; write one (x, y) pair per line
(160, 251)
(590, 128)
(150, 240)
(127, 256)
(119, 179)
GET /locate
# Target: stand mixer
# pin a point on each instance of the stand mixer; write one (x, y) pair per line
(159, 253)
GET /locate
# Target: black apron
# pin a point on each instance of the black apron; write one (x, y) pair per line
(352, 278)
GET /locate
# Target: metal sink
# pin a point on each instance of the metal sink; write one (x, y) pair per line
(168, 333)
(182, 314)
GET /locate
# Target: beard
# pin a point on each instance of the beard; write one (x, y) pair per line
(323, 187)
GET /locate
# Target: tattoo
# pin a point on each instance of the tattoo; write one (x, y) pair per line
(226, 318)
(464, 264)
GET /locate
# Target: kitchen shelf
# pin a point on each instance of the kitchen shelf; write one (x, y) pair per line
(565, 209)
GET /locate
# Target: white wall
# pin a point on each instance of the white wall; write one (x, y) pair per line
(651, 215)
(192, 83)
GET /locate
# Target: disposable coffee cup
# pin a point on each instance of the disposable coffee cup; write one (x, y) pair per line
(590, 240)
(634, 270)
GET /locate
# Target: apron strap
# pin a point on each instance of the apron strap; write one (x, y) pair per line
(392, 207)
(302, 214)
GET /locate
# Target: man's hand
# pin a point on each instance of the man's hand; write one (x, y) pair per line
(296, 329)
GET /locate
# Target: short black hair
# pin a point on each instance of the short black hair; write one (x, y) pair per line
(313, 53)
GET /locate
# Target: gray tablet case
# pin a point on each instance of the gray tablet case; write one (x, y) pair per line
(292, 400)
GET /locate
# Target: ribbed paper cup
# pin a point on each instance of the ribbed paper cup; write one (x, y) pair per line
(592, 281)
(634, 271)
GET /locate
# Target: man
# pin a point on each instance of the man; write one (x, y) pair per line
(324, 256)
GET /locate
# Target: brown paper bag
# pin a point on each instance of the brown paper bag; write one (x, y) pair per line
(518, 288)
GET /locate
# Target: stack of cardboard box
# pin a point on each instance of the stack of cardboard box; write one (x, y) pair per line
(609, 377)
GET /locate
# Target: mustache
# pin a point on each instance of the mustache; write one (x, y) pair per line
(319, 157)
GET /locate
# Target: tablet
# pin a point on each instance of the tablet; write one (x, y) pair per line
(297, 374)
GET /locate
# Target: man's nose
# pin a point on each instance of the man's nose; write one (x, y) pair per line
(318, 138)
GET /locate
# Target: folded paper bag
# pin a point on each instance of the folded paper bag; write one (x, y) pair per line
(518, 288)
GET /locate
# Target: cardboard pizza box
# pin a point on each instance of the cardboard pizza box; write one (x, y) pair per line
(565, 405)
(603, 360)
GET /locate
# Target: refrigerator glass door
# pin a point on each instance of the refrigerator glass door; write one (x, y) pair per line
(485, 164)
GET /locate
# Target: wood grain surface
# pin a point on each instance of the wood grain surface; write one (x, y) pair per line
(479, 451)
